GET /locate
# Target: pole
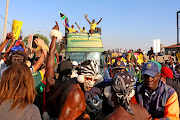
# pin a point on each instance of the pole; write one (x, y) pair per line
(178, 28)
(5, 22)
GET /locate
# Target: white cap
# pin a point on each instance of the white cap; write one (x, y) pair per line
(74, 63)
(137, 68)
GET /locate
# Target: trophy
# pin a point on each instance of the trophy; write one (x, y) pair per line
(86, 15)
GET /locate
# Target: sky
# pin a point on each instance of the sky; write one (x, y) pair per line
(127, 24)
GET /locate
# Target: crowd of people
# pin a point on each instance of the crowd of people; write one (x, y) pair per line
(35, 88)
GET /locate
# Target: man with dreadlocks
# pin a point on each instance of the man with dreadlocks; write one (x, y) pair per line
(123, 90)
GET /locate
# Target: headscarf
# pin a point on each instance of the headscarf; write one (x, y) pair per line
(123, 85)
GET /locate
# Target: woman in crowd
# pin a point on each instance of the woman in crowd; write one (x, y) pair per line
(17, 94)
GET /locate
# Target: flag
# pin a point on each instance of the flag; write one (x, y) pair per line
(62, 16)
(67, 22)
(17, 42)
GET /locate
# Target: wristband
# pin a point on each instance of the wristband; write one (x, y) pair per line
(56, 33)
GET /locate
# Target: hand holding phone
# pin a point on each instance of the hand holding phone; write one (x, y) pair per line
(34, 45)
(39, 42)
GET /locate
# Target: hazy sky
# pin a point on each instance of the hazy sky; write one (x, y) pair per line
(125, 24)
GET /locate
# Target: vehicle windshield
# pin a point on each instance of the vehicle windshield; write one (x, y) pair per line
(77, 56)
(82, 56)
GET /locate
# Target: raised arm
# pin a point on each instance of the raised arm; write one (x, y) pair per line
(8, 37)
(40, 43)
(87, 20)
(50, 59)
(13, 41)
(23, 46)
(99, 21)
(65, 25)
(77, 25)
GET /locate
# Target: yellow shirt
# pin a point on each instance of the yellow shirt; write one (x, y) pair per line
(83, 31)
(93, 26)
(72, 30)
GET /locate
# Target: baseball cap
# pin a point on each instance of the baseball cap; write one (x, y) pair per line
(119, 65)
(166, 72)
(150, 69)
(137, 68)
(159, 65)
(75, 63)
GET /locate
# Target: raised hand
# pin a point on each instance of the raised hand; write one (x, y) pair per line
(56, 27)
(10, 35)
(13, 39)
(39, 42)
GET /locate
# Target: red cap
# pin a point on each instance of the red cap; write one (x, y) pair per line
(166, 72)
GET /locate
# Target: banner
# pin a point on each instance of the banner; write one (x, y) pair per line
(16, 28)
(140, 59)
(136, 55)
(178, 56)
(93, 37)
(83, 40)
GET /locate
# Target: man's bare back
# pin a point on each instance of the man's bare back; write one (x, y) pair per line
(73, 103)
(121, 114)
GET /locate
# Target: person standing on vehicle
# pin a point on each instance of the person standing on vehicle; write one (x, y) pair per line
(71, 30)
(82, 30)
(93, 24)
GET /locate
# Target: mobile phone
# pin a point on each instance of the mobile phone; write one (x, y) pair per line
(33, 43)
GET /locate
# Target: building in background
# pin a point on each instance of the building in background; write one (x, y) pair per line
(172, 48)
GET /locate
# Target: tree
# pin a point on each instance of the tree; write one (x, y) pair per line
(46, 41)
(57, 47)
